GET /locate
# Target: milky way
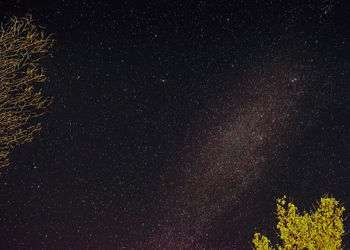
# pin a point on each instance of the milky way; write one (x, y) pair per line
(234, 151)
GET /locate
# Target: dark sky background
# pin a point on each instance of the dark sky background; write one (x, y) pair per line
(151, 142)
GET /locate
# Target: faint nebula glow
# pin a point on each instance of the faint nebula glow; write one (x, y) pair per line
(231, 155)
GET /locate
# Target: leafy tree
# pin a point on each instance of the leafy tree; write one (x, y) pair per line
(22, 47)
(322, 229)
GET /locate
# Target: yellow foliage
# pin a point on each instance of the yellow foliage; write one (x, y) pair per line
(261, 242)
(22, 48)
(322, 229)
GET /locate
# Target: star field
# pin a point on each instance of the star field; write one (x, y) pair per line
(177, 125)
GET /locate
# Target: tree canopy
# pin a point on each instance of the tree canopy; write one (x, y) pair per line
(22, 48)
(322, 229)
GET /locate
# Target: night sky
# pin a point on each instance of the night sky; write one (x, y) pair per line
(177, 124)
